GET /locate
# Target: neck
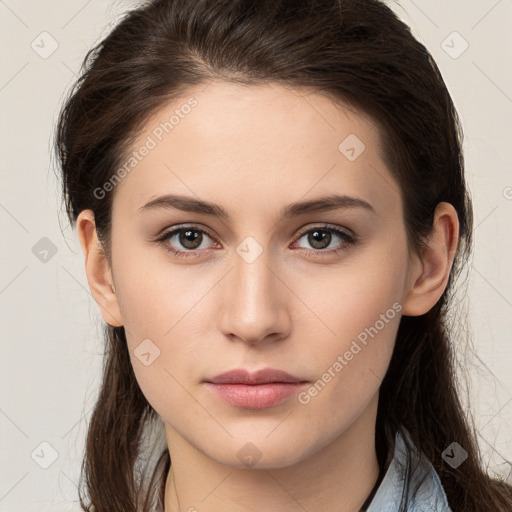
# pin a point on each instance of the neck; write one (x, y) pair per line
(337, 478)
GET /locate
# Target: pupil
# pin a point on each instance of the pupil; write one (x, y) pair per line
(189, 237)
(323, 236)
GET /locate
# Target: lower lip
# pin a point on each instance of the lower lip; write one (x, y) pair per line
(255, 396)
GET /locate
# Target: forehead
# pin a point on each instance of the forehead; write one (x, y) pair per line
(259, 145)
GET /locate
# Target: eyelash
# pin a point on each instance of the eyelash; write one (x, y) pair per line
(347, 239)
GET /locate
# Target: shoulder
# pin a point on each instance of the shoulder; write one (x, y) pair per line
(399, 479)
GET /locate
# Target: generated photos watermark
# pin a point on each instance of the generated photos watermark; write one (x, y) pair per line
(343, 360)
(150, 143)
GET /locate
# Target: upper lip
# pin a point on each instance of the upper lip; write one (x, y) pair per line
(265, 376)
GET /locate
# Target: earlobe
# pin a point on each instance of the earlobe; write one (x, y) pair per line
(430, 272)
(97, 268)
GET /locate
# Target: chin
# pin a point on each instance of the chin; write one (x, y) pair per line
(261, 453)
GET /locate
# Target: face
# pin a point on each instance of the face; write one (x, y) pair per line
(282, 279)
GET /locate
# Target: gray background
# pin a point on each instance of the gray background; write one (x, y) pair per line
(51, 334)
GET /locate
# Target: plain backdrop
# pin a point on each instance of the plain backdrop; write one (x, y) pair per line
(51, 328)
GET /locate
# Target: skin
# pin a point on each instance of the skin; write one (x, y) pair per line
(253, 150)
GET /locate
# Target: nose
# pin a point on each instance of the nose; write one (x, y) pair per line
(254, 301)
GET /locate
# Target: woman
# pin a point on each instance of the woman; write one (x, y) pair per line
(271, 202)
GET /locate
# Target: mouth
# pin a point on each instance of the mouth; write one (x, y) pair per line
(258, 390)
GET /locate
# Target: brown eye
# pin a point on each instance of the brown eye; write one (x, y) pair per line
(320, 238)
(190, 238)
(184, 241)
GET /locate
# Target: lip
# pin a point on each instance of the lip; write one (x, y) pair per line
(258, 390)
(265, 376)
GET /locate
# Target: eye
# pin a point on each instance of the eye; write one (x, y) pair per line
(320, 238)
(191, 239)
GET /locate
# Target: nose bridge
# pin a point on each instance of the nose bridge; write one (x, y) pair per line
(254, 306)
(254, 282)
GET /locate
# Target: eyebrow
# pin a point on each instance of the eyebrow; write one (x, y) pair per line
(320, 204)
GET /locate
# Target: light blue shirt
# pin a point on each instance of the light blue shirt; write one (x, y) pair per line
(430, 497)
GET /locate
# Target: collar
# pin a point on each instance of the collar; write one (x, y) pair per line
(430, 496)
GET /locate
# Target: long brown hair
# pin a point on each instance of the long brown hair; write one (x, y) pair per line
(355, 51)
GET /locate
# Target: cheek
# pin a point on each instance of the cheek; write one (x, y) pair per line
(350, 367)
(164, 312)
(155, 295)
(358, 312)
(345, 302)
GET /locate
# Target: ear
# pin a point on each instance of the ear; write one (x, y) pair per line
(429, 273)
(97, 268)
